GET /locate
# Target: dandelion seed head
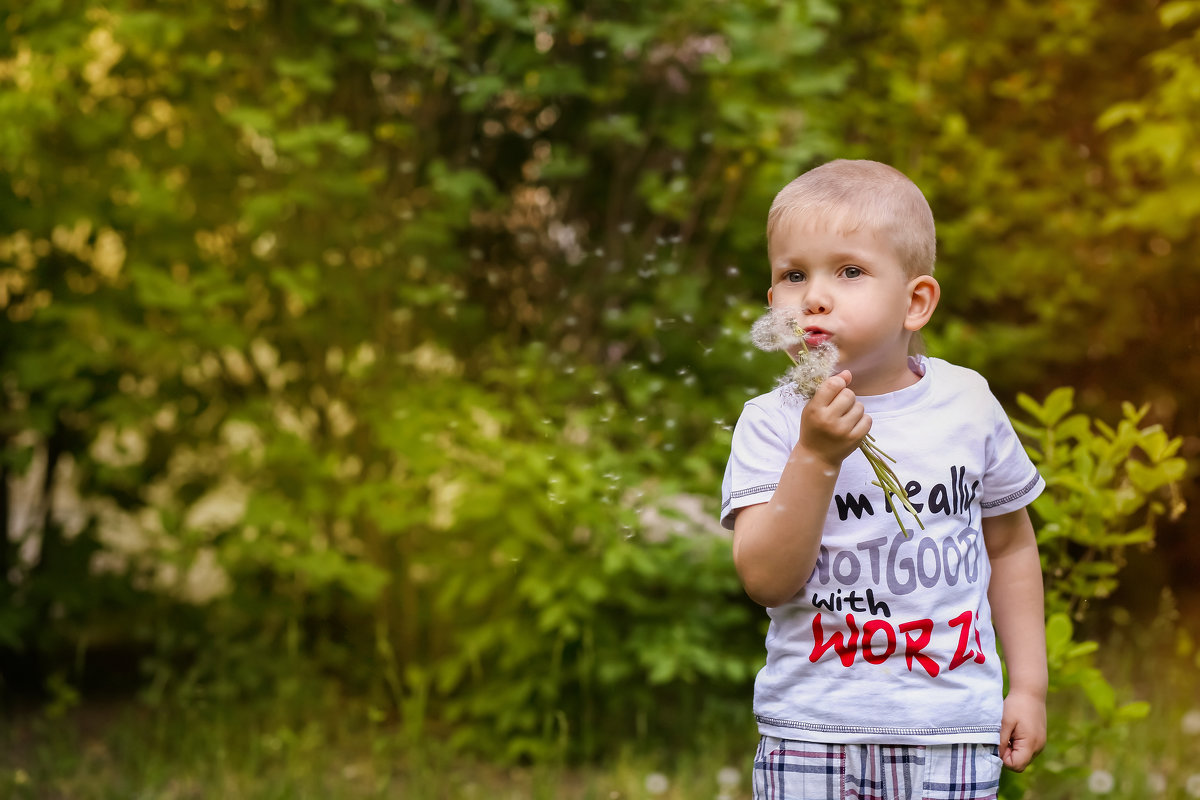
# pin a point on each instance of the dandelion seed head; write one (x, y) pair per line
(810, 371)
(1190, 724)
(1193, 785)
(729, 777)
(778, 329)
(1156, 782)
(1100, 782)
(657, 783)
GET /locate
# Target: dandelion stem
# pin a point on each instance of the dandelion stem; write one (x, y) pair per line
(890, 484)
(874, 448)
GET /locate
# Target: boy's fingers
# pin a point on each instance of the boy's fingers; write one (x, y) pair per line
(832, 386)
(1006, 743)
(1015, 750)
(843, 403)
(1017, 759)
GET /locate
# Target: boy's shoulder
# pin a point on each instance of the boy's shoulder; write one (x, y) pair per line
(777, 411)
(954, 377)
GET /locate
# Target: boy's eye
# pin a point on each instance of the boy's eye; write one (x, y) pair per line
(852, 272)
(793, 277)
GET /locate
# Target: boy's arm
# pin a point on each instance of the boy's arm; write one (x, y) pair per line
(775, 544)
(1018, 612)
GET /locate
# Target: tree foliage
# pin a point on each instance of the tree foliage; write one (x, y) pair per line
(396, 341)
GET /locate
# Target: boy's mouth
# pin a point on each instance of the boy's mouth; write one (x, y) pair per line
(815, 337)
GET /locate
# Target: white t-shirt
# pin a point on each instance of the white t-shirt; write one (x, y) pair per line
(890, 641)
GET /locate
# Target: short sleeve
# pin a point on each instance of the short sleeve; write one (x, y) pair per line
(759, 453)
(1011, 480)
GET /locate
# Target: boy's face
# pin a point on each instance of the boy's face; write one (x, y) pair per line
(851, 290)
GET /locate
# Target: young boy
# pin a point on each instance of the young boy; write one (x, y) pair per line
(882, 677)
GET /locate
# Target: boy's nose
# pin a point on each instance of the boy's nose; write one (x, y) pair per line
(816, 301)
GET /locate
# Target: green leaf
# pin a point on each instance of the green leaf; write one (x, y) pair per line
(1057, 405)
(1058, 633)
(1174, 13)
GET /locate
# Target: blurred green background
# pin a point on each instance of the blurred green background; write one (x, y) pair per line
(369, 368)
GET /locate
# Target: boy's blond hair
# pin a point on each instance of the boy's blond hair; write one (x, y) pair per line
(863, 195)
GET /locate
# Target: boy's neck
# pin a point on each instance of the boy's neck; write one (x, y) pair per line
(893, 379)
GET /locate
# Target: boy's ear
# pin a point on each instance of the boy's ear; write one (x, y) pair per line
(924, 293)
(770, 292)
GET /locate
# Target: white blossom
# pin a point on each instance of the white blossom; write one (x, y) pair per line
(205, 579)
(219, 509)
(341, 419)
(123, 531)
(67, 507)
(236, 365)
(445, 495)
(118, 448)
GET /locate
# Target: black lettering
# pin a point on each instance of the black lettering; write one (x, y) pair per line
(962, 481)
(938, 502)
(855, 601)
(954, 488)
(858, 506)
(874, 607)
(911, 488)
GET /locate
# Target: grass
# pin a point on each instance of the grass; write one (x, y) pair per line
(331, 749)
(126, 750)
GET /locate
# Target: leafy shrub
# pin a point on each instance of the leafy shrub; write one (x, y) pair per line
(1106, 487)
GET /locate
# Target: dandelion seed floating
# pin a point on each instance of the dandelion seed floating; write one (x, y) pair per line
(782, 329)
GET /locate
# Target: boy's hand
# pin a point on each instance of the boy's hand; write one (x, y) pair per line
(833, 421)
(1022, 730)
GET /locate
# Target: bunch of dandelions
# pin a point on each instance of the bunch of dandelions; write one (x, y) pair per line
(781, 329)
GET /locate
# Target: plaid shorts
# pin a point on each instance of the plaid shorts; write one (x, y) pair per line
(791, 770)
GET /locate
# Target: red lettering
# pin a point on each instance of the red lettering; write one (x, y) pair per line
(889, 633)
(964, 653)
(845, 651)
(912, 646)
